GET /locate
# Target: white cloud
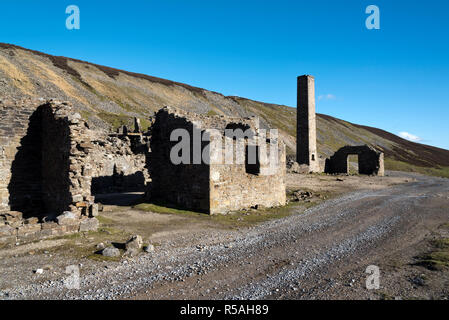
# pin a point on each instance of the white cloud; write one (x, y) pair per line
(409, 136)
(328, 96)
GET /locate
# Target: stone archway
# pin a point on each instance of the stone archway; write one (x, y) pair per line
(370, 160)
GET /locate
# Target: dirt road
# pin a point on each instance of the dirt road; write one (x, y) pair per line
(321, 253)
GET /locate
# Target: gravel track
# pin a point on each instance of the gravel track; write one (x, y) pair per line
(291, 258)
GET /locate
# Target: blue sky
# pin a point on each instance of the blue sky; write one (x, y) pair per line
(395, 78)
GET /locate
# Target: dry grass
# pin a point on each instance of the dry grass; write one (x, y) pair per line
(20, 80)
(41, 70)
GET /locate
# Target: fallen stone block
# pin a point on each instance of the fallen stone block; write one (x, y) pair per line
(111, 252)
(134, 243)
(132, 252)
(293, 167)
(148, 248)
(67, 218)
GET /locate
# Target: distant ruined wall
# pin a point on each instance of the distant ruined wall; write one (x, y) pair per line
(371, 161)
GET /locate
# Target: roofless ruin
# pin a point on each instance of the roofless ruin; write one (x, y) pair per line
(53, 164)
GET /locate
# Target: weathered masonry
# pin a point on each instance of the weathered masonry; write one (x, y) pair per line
(213, 186)
(306, 149)
(52, 164)
(371, 161)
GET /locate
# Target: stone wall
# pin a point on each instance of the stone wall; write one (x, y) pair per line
(104, 163)
(371, 161)
(55, 158)
(211, 187)
(52, 164)
(37, 146)
(20, 157)
(118, 164)
(184, 185)
(235, 186)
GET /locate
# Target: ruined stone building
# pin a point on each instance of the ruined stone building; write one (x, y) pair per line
(370, 161)
(51, 166)
(214, 187)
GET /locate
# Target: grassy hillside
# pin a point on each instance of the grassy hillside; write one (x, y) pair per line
(109, 97)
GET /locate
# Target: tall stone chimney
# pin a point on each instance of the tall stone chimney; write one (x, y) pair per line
(306, 152)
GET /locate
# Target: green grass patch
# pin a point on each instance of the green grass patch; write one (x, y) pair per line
(85, 114)
(438, 257)
(115, 120)
(145, 124)
(441, 243)
(235, 219)
(391, 164)
(102, 258)
(104, 220)
(435, 261)
(385, 296)
(445, 225)
(165, 209)
(81, 245)
(253, 217)
(211, 113)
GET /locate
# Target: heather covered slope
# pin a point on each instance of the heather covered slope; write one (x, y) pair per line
(109, 97)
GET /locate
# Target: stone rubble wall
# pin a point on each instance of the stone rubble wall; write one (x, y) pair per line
(48, 159)
(51, 162)
(219, 122)
(118, 164)
(214, 188)
(15, 117)
(14, 229)
(371, 161)
(184, 185)
(232, 188)
(38, 149)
